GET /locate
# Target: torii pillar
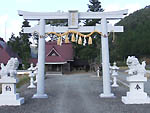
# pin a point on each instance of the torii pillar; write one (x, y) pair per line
(105, 61)
(41, 62)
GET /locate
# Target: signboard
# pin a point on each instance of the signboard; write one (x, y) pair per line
(73, 19)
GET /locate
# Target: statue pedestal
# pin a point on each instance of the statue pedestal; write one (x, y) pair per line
(31, 75)
(9, 96)
(115, 82)
(136, 95)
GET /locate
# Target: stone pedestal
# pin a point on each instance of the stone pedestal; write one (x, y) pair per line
(40, 96)
(9, 96)
(115, 82)
(31, 75)
(102, 95)
(136, 94)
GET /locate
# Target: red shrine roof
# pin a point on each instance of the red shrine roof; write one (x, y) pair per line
(5, 52)
(55, 54)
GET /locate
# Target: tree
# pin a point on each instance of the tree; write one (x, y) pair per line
(94, 6)
(35, 37)
(61, 22)
(135, 38)
(25, 45)
(57, 22)
(21, 44)
(14, 43)
(91, 52)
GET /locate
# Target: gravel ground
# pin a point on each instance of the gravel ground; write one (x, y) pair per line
(76, 93)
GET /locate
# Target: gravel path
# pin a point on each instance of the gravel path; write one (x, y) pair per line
(76, 93)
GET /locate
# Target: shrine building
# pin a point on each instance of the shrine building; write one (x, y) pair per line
(58, 58)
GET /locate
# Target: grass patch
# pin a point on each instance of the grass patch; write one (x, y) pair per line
(123, 67)
(23, 79)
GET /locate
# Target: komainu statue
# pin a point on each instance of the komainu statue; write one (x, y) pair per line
(135, 68)
(10, 69)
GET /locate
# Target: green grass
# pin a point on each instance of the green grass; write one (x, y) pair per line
(22, 80)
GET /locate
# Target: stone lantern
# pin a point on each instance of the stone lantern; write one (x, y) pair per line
(114, 69)
(31, 75)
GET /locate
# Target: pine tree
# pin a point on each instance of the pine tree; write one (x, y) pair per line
(25, 45)
(94, 6)
(21, 44)
(14, 43)
(91, 52)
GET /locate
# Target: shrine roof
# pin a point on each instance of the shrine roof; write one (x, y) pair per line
(56, 53)
(6, 52)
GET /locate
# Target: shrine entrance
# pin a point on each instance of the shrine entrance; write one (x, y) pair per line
(73, 17)
(54, 68)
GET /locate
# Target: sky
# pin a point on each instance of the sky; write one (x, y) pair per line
(10, 21)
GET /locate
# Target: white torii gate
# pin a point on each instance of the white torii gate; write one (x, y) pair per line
(73, 16)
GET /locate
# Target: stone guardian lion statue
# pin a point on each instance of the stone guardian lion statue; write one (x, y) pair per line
(10, 70)
(135, 68)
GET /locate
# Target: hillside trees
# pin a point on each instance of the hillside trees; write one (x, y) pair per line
(135, 40)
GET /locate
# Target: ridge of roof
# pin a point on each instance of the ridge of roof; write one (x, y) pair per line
(65, 51)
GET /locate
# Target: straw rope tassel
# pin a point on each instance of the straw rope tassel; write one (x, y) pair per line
(90, 41)
(73, 38)
(80, 40)
(59, 41)
(84, 42)
(67, 39)
(113, 36)
(76, 37)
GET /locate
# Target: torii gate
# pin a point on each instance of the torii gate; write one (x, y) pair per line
(73, 16)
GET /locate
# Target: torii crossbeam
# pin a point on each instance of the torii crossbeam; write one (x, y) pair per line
(73, 17)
